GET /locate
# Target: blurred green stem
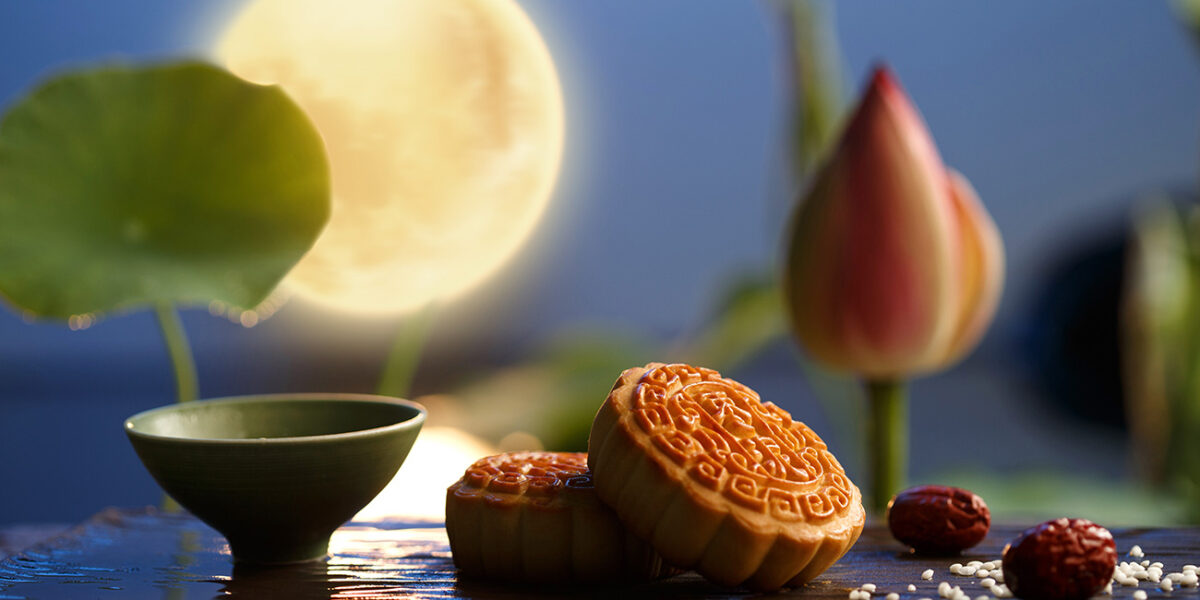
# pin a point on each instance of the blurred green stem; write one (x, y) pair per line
(402, 361)
(887, 440)
(817, 71)
(181, 354)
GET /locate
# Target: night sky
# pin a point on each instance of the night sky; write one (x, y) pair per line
(1061, 114)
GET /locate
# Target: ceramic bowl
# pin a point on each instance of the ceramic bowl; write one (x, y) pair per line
(276, 474)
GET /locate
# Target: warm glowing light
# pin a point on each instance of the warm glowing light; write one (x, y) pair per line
(444, 126)
(437, 459)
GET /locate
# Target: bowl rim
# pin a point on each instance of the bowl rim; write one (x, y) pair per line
(412, 422)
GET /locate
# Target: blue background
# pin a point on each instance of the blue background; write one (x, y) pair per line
(1062, 115)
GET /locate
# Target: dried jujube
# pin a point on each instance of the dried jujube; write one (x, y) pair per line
(938, 519)
(1063, 559)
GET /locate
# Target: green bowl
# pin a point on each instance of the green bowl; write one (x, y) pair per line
(276, 474)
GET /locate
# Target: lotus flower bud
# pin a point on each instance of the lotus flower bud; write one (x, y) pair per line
(893, 265)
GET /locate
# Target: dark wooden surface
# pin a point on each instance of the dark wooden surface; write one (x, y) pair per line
(147, 554)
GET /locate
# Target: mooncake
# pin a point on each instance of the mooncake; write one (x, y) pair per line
(534, 517)
(720, 482)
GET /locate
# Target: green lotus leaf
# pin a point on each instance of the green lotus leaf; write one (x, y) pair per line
(129, 185)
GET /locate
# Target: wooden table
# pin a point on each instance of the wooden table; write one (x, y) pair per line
(148, 554)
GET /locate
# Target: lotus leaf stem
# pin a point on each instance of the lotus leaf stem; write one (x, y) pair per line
(186, 386)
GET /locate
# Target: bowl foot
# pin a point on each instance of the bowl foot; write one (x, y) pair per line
(278, 552)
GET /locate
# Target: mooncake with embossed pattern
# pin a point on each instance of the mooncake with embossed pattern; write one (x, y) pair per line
(534, 517)
(718, 481)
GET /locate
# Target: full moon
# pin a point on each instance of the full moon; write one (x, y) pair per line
(443, 122)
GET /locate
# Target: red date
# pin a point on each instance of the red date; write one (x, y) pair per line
(1064, 559)
(938, 519)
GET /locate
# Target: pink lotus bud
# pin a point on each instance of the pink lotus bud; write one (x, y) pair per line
(893, 265)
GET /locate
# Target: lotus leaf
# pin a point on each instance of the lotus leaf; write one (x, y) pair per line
(124, 186)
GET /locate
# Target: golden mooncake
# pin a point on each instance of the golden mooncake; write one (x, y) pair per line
(534, 517)
(718, 481)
